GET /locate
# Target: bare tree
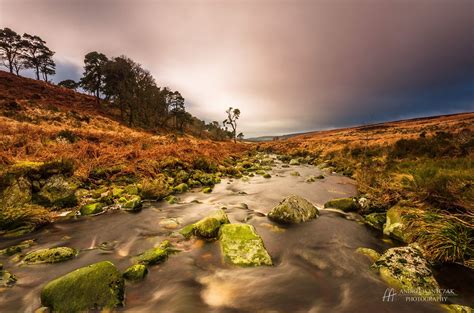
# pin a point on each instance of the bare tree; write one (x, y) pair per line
(232, 117)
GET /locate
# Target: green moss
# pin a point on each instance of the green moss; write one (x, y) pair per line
(372, 254)
(131, 189)
(117, 192)
(7, 279)
(344, 204)
(293, 209)
(51, 255)
(135, 272)
(266, 175)
(183, 187)
(241, 245)
(97, 193)
(94, 287)
(157, 188)
(152, 256)
(207, 227)
(92, 208)
(396, 223)
(376, 220)
(295, 173)
(17, 248)
(132, 204)
(294, 162)
(171, 199)
(58, 191)
(260, 172)
(207, 190)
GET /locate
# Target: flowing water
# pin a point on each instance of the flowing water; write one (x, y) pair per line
(316, 268)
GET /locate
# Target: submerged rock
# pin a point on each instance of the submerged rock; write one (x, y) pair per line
(51, 255)
(242, 246)
(94, 287)
(207, 190)
(17, 248)
(344, 204)
(376, 220)
(207, 227)
(171, 199)
(183, 187)
(135, 272)
(154, 255)
(372, 254)
(295, 173)
(92, 208)
(293, 209)
(406, 268)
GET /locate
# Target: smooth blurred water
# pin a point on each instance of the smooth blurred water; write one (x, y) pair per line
(316, 268)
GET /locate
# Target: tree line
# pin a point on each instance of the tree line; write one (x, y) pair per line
(119, 83)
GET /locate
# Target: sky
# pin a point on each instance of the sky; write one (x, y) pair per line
(289, 66)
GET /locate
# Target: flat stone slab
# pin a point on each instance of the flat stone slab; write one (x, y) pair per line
(241, 245)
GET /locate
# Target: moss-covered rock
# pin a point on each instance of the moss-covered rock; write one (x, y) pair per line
(293, 209)
(310, 179)
(376, 220)
(94, 287)
(131, 189)
(207, 190)
(241, 245)
(92, 208)
(344, 204)
(171, 199)
(117, 192)
(17, 248)
(294, 162)
(154, 255)
(267, 175)
(15, 193)
(406, 268)
(51, 255)
(396, 223)
(183, 187)
(135, 272)
(134, 203)
(295, 173)
(456, 308)
(207, 227)
(7, 279)
(157, 188)
(58, 191)
(372, 254)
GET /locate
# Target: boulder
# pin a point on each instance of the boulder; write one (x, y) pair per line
(267, 175)
(406, 268)
(294, 162)
(51, 255)
(293, 209)
(7, 279)
(99, 286)
(396, 223)
(376, 220)
(15, 193)
(92, 208)
(154, 255)
(207, 190)
(58, 192)
(134, 203)
(183, 187)
(344, 204)
(135, 272)
(241, 245)
(207, 227)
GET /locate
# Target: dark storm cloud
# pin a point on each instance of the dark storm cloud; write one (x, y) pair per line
(289, 65)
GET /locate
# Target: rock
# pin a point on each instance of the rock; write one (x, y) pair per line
(207, 190)
(43, 309)
(131, 189)
(260, 172)
(207, 227)
(294, 162)
(57, 192)
(363, 203)
(395, 225)
(95, 287)
(320, 177)
(183, 187)
(132, 204)
(311, 179)
(92, 208)
(456, 308)
(405, 268)
(266, 175)
(16, 194)
(295, 173)
(7, 279)
(171, 199)
(100, 192)
(157, 188)
(17, 248)
(241, 245)
(154, 255)
(169, 223)
(117, 192)
(293, 209)
(372, 254)
(51, 255)
(376, 220)
(135, 272)
(344, 204)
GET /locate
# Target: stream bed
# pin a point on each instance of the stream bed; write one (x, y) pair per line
(316, 268)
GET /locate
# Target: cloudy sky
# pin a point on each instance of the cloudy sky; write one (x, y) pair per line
(289, 66)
